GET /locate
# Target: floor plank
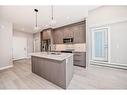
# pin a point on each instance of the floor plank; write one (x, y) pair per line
(94, 77)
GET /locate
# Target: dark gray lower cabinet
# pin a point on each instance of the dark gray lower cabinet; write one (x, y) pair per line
(57, 72)
(80, 59)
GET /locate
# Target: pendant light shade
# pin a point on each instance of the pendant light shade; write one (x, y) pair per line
(36, 16)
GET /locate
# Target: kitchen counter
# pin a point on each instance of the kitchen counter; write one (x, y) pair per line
(53, 55)
(54, 66)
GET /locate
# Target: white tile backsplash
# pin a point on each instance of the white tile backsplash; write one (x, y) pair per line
(80, 47)
(77, 47)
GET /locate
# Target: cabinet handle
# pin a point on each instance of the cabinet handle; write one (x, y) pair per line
(77, 60)
(77, 55)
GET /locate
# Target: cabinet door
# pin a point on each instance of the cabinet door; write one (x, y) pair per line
(58, 36)
(79, 33)
(68, 32)
(51, 72)
(46, 35)
(80, 59)
(36, 68)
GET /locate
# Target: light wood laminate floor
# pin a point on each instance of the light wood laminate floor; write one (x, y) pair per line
(94, 77)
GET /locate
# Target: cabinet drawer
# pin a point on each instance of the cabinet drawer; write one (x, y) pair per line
(79, 60)
(79, 53)
(80, 56)
(80, 63)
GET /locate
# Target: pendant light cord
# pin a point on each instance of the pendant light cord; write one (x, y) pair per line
(36, 11)
(36, 19)
(52, 12)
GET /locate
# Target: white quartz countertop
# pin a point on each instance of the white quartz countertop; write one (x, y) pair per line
(48, 55)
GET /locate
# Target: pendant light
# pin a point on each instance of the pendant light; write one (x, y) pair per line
(52, 13)
(36, 25)
(52, 16)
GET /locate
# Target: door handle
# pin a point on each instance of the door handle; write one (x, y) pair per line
(106, 45)
(25, 49)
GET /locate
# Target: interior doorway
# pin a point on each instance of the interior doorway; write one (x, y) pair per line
(99, 38)
(19, 48)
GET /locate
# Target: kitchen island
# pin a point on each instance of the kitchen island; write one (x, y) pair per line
(55, 67)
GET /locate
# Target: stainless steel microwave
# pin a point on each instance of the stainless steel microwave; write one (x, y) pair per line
(68, 40)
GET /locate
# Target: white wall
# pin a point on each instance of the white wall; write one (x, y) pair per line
(107, 14)
(119, 43)
(28, 36)
(116, 18)
(5, 44)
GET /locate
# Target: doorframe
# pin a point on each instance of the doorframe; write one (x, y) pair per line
(109, 43)
(34, 41)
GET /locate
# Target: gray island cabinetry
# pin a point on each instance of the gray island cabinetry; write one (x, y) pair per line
(56, 68)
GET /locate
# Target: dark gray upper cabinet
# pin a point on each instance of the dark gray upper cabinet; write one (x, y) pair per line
(57, 36)
(68, 32)
(46, 34)
(79, 33)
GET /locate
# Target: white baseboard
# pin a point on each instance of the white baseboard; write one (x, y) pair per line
(113, 65)
(28, 57)
(21, 58)
(6, 67)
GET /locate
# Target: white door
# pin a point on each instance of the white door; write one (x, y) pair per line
(36, 45)
(19, 48)
(100, 44)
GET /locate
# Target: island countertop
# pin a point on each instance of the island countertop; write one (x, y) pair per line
(51, 55)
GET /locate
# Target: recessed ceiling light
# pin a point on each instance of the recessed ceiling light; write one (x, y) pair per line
(2, 26)
(46, 25)
(68, 17)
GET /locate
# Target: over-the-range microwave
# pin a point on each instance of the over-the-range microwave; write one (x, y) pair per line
(68, 40)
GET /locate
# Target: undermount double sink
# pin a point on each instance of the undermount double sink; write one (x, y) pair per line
(54, 53)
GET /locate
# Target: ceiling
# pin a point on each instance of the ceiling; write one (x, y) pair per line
(23, 17)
